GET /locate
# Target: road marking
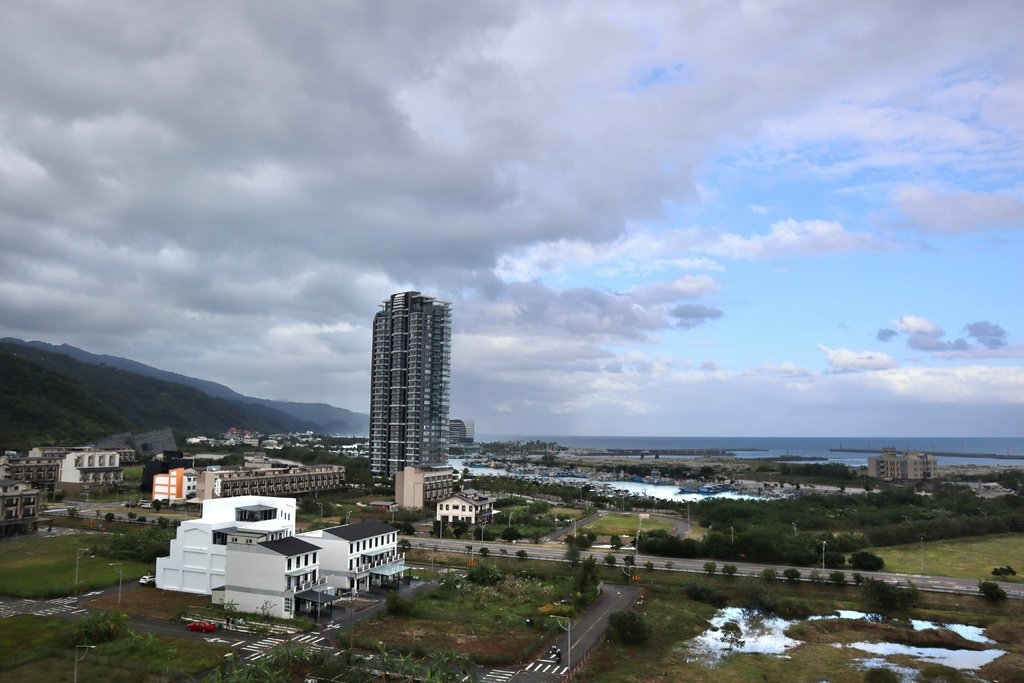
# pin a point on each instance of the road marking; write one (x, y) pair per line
(497, 676)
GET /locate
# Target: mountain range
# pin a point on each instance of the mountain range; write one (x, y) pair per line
(54, 393)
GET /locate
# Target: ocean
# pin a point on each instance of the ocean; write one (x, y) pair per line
(948, 451)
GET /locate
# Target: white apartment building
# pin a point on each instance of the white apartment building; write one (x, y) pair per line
(468, 506)
(354, 557)
(279, 578)
(197, 560)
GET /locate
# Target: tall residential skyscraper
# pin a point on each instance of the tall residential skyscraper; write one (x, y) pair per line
(410, 383)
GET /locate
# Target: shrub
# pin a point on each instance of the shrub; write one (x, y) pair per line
(630, 627)
(869, 562)
(837, 577)
(710, 567)
(609, 560)
(397, 605)
(729, 570)
(858, 578)
(701, 593)
(1004, 571)
(881, 595)
(882, 675)
(792, 575)
(992, 591)
(769, 574)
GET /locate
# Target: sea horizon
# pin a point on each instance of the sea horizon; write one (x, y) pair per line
(855, 449)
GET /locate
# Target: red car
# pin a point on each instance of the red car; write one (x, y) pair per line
(204, 626)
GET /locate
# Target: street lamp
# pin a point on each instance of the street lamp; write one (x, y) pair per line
(120, 574)
(922, 554)
(78, 554)
(566, 624)
(84, 655)
(823, 543)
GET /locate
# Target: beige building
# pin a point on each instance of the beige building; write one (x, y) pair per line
(892, 466)
(19, 507)
(468, 506)
(91, 469)
(269, 481)
(419, 487)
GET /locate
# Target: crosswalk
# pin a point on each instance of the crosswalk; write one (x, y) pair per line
(548, 666)
(56, 606)
(497, 676)
(311, 639)
(259, 648)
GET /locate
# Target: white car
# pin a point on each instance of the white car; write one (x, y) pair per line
(148, 580)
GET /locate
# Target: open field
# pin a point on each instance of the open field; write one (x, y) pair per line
(148, 601)
(962, 557)
(41, 649)
(624, 525)
(44, 567)
(487, 622)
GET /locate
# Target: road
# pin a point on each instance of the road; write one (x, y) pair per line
(556, 553)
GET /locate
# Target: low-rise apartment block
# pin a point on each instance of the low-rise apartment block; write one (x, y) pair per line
(214, 483)
(419, 487)
(180, 483)
(279, 578)
(19, 507)
(355, 557)
(891, 465)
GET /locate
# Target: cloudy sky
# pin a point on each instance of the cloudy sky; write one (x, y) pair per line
(664, 218)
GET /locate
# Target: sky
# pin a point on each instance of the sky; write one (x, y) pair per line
(760, 218)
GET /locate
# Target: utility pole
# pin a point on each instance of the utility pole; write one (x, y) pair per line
(120, 575)
(78, 554)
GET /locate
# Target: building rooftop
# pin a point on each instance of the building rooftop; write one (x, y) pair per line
(290, 546)
(360, 530)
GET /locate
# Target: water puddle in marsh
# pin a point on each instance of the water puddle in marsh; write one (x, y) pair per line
(736, 631)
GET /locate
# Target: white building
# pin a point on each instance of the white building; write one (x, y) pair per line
(469, 506)
(279, 578)
(198, 554)
(353, 556)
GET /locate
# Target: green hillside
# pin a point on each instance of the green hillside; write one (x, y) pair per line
(39, 407)
(132, 402)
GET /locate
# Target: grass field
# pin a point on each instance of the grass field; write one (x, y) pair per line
(961, 557)
(624, 525)
(45, 567)
(487, 622)
(36, 648)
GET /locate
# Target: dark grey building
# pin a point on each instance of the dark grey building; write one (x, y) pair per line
(410, 383)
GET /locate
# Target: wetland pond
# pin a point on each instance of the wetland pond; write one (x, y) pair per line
(736, 631)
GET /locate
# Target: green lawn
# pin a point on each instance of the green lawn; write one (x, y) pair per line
(45, 567)
(41, 649)
(961, 557)
(624, 525)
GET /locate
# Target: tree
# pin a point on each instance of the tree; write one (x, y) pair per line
(404, 544)
(867, 561)
(649, 566)
(510, 533)
(572, 555)
(615, 542)
(109, 517)
(629, 560)
(521, 554)
(837, 577)
(992, 591)
(769, 574)
(157, 504)
(732, 635)
(885, 596)
(485, 551)
(101, 627)
(630, 627)
(792, 575)
(609, 560)
(729, 570)
(710, 567)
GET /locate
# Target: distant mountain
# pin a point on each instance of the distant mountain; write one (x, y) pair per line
(141, 403)
(327, 419)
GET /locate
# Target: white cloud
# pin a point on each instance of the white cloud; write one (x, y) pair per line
(793, 238)
(844, 360)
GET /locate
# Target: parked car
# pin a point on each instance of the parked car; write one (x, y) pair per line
(148, 580)
(146, 505)
(204, 626)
